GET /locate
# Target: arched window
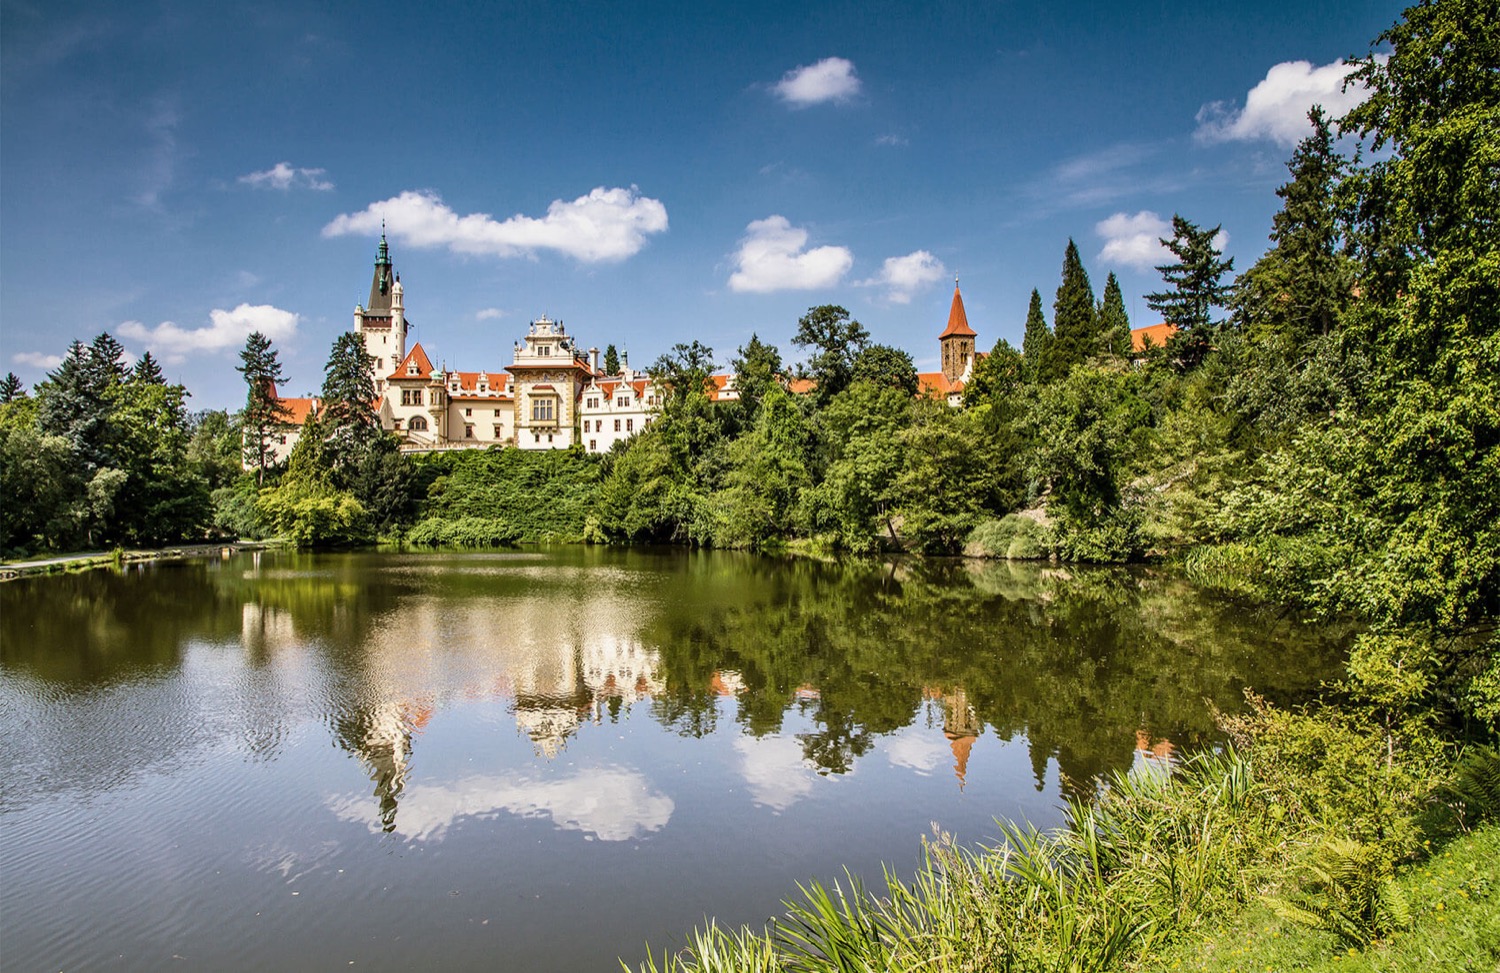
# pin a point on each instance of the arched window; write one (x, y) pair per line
(417, 424)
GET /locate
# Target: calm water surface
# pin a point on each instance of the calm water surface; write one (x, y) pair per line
(543, 761)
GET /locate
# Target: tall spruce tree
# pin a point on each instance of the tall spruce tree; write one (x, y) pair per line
(11, 388)
(1114, 323)
(611, 360)
(1196, 287)
(264, 413)
(1301, 286)
(350, 423)
(1036, 342)
(1075, 319)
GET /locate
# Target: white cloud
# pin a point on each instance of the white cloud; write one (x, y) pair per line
(1276, 108)
(611, 805)
(831, 79)
(36, 359)
(891, 138)
(284, 176)
(771, 258)
(777, 772)
(1134, 241)
(488, 314)
(226, 329)
(605, 225)
(904, 276)
(919, 751)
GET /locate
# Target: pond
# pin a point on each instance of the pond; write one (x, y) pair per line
(545, 760)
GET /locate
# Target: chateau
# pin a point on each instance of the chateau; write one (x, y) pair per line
(552, 395)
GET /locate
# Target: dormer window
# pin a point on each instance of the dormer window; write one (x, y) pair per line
(411, 368)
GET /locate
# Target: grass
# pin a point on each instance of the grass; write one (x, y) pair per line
(1454, 899)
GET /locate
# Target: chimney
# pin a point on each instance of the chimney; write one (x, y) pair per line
(594, 360)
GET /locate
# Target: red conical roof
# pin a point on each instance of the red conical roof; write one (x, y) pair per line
(958, 321)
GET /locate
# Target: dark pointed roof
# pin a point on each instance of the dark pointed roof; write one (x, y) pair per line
(380, 283)
(958, 321)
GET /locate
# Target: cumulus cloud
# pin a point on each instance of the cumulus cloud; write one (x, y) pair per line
(831, 79)
(226, 329)
(284, 176)
(1276, 108)
(904, 276)
(890, 138)
(611, 805)
(605, 225)
(488, 314)
(918, 751)
(1133, 240)
(772, 257)
(36, 359)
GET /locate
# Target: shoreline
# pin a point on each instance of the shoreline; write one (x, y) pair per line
(15, 570)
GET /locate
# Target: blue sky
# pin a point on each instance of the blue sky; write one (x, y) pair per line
(181, 172)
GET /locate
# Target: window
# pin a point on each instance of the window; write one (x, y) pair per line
(622, 401)
(630, 425)
(536, 437)
(593, 445)
(497, 413)
(411, 396)
(468, 412)
(417, 424)
(497, 432)
(396, 424)
(617, 425)
(468, 432)
(594, 402)
(543, 410)
(283, 440)
(549, 437)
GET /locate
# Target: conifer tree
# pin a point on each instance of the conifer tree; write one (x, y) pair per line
(1195, 288)
(1302, 284)
(1114, 323)
(349, 419)
(147, 371)
(611, 360)
(1036, 343)
(1075, 320)
(11, 388)
(107, 361)
(263, 413)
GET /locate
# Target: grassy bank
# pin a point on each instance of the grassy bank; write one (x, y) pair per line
(1211, 868)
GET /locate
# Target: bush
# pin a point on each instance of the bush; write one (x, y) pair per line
(1012, 537)
(465, 532)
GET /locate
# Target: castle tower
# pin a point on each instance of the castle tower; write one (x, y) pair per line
(382, 322)
(957, 340)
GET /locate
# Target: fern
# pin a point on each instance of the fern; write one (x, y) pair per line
(1476, 785)
(1352, 894)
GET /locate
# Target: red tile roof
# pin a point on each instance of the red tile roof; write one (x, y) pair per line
(1158, 333)
(424, 366)
(298, 410)
(958, 321)
(935, 385)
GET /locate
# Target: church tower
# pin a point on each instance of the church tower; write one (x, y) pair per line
(382, 321)
(957, 340)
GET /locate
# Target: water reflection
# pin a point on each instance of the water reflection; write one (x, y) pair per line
(1080, 665)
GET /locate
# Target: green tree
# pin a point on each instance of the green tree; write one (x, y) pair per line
(835, 341)
(997, 376)
(757, 369)
(1075, 320)
(147, 371)
(1301, 286)
(1196, 286)
(348, 421)
(611, 360)
(860, 432)
(761, 501)
(1114, 323)
(887, 366)
(1036, 342)
(11, 388)
(264, 413)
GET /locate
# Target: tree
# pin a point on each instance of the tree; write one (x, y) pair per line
(147, 371)
(886, 366)
(1114, 323)
(264, 413)
(611, 360)
(1036, 342)
(683, 373)
(1302, 285)
(1195, 288)
(1075, 322)
(836, 340)
(362, 458)
(996, 376)
(11, 388)
(757, 369)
